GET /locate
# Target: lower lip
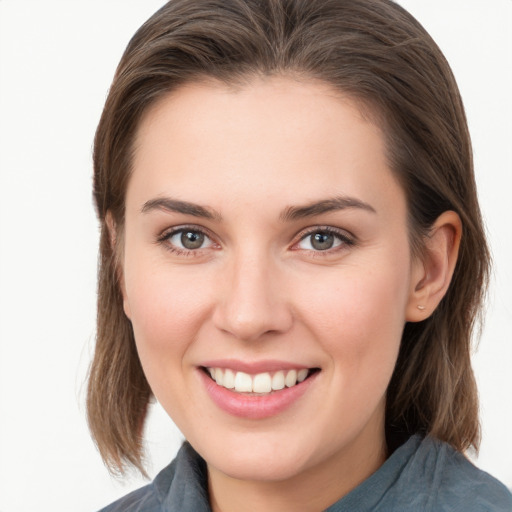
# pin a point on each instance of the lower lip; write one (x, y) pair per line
(255, 406)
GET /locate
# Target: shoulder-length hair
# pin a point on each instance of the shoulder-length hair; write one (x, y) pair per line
(379, 55)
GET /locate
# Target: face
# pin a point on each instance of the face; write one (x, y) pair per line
(267, 274)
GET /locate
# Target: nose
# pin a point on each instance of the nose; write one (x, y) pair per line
(252, 301)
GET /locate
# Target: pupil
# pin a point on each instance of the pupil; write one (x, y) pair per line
(322, 241)
(192, 239)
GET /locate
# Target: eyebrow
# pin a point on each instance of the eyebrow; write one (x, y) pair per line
(175, 205)
(325, 206)
(290, 213)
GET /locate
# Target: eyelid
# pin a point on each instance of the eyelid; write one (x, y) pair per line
(345, 236)
(164, 238)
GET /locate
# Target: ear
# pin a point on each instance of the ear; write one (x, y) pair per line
(432, 273)
(116, 239)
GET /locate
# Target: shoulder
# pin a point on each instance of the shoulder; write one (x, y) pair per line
(180, 487)
(148, 498)
(449, 482)
(141, 500)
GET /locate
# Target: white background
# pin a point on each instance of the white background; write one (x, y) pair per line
(57, 59)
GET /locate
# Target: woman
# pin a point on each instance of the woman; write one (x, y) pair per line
(292, 261)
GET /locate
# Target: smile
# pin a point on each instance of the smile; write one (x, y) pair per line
(261, 383)
(256, 390)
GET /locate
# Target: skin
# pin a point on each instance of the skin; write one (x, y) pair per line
(257, 289)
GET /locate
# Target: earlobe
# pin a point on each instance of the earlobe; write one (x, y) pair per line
(114, 241)
(432, 275)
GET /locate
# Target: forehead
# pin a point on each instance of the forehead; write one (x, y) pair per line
(199, 108)
(271, 137)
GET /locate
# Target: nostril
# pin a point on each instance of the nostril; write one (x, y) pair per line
(250, 301)
(250, 322)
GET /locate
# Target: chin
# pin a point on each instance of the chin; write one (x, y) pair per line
(258, 457)
(262, 468)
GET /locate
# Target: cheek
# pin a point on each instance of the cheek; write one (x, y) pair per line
(360, 319)
(166, 308)
(166, 318)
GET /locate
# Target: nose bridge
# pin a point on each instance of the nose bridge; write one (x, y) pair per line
(252, 302)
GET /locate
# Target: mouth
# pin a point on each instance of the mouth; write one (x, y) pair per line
(256, 390)
(259, 384)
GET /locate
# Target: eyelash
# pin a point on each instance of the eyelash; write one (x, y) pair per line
(165, 237)
(345, 239)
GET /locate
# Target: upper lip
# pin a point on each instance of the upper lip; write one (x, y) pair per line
(254, 367)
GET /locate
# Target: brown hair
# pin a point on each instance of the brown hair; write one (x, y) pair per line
(378, 54)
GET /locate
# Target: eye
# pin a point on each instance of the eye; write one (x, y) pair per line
(183, 240)
(323, 240)
(188, 239)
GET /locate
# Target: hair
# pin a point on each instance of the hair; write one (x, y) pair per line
(372, 51)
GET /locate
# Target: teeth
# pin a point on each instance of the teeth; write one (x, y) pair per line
(242, 382)
(291, 378)
(278, 381)
(229, 379)
(302, 374)
(262, 383)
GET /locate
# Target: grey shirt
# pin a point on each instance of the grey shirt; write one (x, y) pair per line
(423, 475)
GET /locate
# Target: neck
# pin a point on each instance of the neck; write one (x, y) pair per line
(313, 489)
